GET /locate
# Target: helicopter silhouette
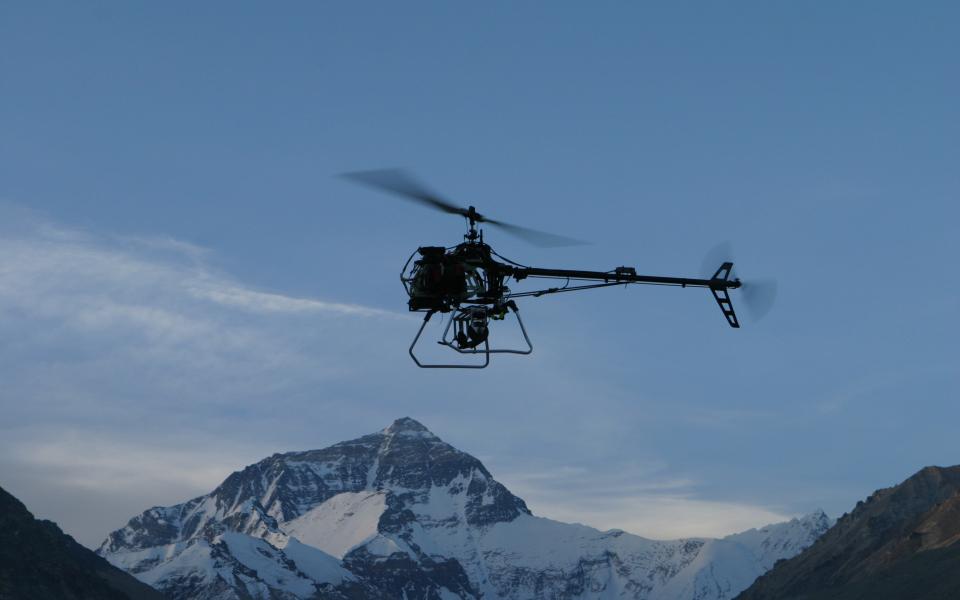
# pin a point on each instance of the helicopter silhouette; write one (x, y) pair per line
(469, 280)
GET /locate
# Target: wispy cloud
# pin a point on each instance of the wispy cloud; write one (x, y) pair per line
(123, 359)
(167, 244)
(636, 497)
(256, 301)
(91, 479)
(64, 268)
(152, 325)
(117, 463)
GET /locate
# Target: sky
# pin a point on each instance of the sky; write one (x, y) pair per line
(186, 286)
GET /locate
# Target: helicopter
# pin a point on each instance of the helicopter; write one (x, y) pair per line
(469, 280)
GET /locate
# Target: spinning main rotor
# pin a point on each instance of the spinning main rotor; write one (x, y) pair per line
(470, 282)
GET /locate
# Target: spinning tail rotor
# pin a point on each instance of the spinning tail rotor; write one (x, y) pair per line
(758, 294)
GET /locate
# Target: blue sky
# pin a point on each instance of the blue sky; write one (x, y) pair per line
(186, 287)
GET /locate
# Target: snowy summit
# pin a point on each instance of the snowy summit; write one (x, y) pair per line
(400, 513)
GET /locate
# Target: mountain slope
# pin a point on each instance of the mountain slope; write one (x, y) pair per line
(902, 542)
(39, 562)
(401, 513)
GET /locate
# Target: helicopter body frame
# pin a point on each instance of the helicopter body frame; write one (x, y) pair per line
(470, 282)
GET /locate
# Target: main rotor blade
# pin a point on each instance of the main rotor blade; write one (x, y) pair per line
(401, 183)
(536, 237)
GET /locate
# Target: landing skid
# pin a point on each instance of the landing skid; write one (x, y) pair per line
(449, 341)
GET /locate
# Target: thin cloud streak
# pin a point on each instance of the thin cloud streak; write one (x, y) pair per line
(265, 302)
(90, 480)
(96, 307)
(134, 373)
(114, 465)
(47, 259)
(636, 498)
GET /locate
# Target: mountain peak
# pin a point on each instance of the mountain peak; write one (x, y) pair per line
(408, 426)
(817, 516)
(400, 510)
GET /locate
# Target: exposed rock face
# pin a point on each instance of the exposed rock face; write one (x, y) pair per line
(902, 542)
(40, 562)
(400, 513)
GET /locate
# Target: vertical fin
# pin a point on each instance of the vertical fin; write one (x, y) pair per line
(722, 295)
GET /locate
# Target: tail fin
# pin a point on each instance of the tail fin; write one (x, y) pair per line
(719, 287)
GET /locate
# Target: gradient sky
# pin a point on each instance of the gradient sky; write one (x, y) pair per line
(186, 287)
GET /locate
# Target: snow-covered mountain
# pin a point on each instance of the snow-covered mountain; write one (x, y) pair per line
(402, 514)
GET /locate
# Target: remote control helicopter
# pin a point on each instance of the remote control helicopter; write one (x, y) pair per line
(469, 280)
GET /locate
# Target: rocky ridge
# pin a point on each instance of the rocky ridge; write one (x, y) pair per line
(901, 542)
(40, 562)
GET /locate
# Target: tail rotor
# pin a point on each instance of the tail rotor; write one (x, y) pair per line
(758, 294)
